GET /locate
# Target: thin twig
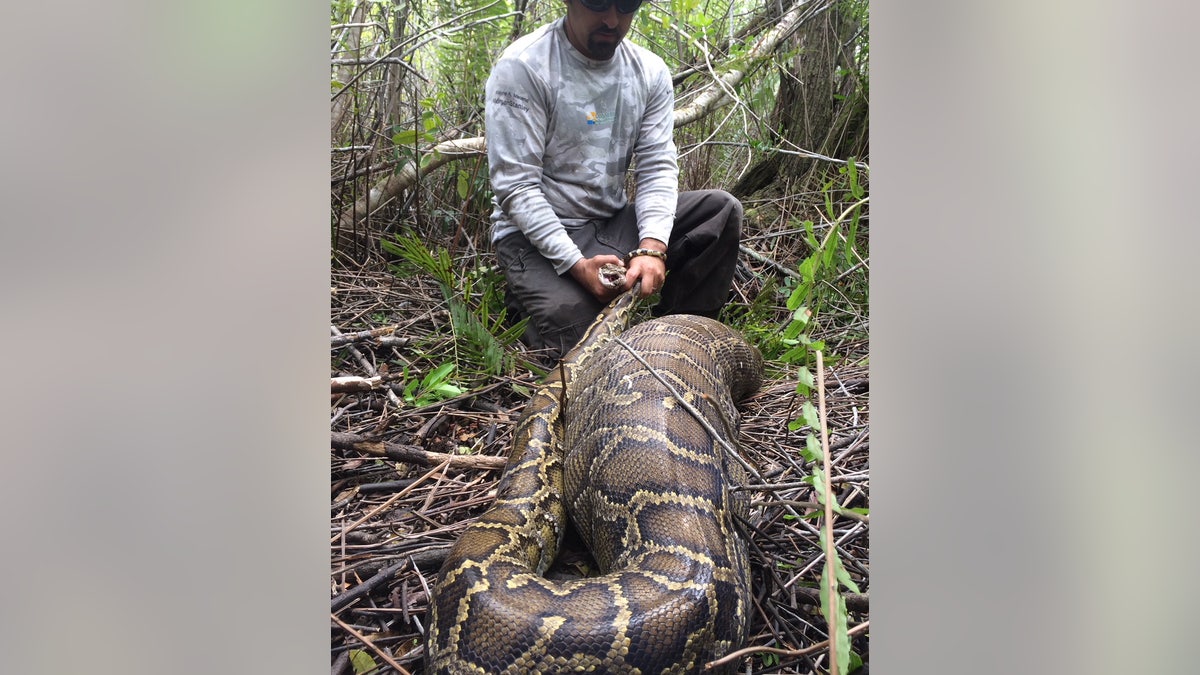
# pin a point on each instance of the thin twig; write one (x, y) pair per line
(412, 454)
(814, 505)
(370, 645)
(692, 409)
(346, 338)
(349, 596)
(391, 500)
(790, 653)
(764, 259)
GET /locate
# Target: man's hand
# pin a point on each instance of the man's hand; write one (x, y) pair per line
(651, 270)
(587, 272)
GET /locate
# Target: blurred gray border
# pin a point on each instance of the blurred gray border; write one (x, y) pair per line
(164, 479)
(1033, 336)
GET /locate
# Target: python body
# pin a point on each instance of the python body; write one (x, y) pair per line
(648, 488)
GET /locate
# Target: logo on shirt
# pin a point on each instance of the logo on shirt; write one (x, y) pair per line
(599, 118)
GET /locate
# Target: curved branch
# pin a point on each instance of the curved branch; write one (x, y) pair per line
(409, 175)
(716, 94)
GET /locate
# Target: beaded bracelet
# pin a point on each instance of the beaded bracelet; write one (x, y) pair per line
(644, 251)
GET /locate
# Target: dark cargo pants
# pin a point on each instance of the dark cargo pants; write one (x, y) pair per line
(701, 258)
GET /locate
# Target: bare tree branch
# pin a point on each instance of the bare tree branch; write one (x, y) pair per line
(716, 93)
(407, 176)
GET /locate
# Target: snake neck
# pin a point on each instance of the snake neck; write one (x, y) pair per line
(611, 321)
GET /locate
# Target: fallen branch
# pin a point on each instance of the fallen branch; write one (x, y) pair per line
(381, 577)
(361, 336)
(407, 176)
(391, 500)
(341, 385)
(764, 259)
(718, 90)
(366, 365)
(427, 559)
(412, 454)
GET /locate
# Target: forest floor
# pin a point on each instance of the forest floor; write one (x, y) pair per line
(407, 478)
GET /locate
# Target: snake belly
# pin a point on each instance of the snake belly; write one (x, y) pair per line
(648, 489)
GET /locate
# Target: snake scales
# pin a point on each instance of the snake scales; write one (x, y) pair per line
(647, 487)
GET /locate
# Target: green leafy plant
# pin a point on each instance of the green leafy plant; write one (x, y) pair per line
(476, 306)
(434, 387)
(814, 271)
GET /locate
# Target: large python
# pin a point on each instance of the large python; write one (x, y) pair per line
(648, 488)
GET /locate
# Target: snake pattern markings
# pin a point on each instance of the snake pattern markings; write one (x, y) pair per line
(648, 489)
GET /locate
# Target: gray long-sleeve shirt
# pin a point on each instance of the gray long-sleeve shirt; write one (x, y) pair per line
(562, 130)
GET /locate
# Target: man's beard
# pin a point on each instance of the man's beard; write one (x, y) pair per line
(603, 49)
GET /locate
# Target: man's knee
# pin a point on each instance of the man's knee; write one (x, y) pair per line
(558, 315)
(732, 208)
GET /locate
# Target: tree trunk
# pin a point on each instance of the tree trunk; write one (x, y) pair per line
(816, 109)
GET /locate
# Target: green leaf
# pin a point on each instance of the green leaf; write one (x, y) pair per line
(808, 412)
(795, 425)
(495, 9)
(794, 355)
(808, 270)
(830, 251)
(856, 190)
(797, 297)
(843, 576)
(406, 137)
(812, 449)
(810, 236)
(802, 315)
(438, 374)
(851, 237)
(448, 390)
(362, 662)
(817, 479)
(840, 638)
(806, 379)
(464, 184)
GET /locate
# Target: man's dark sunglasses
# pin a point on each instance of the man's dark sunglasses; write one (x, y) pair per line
(623, 6)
